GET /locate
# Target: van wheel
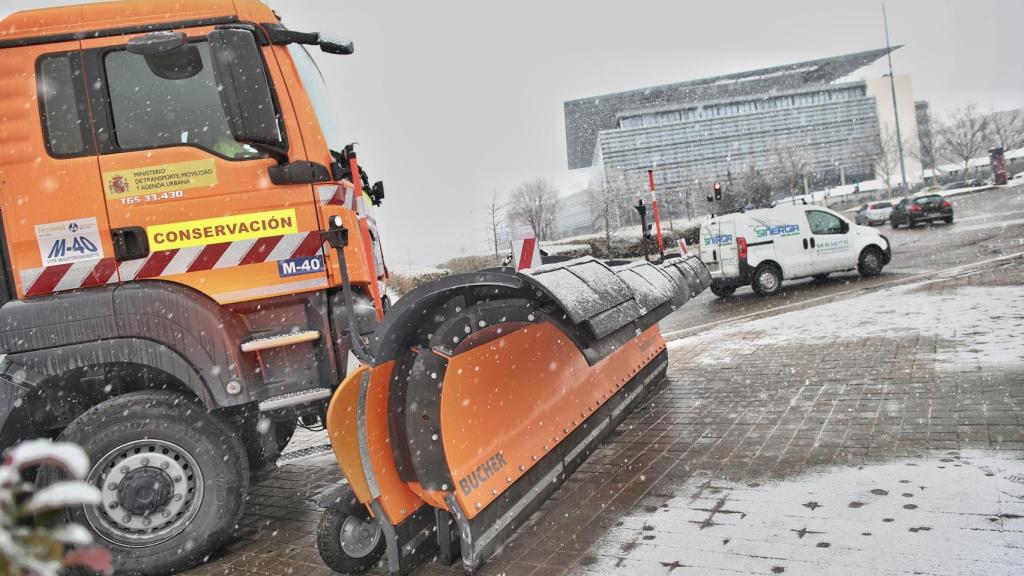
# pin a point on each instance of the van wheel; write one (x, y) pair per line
(172, 478)
(949, 220)
(723, 291)
(893, 224)
(870, 262)
(767, 280)
(350, 541)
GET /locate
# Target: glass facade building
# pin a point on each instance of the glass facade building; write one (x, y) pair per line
(711, 129)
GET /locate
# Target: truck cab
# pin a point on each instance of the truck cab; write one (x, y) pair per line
(168, 299)
(762, 247)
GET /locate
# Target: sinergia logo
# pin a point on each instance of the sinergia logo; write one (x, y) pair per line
(783, 230)
(80, 245)
(718, 240)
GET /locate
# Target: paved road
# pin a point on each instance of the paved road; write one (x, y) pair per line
(779, 446)
(988, 224)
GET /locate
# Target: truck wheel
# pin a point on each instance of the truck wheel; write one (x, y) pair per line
(350, 542)
(723, 291)
(870, 262)
(173, 480)
(767, 280)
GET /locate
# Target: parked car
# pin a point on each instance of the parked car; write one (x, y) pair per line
(956, 185)
(762, 247)
(874, 213)
(1018, 176)
(914, 210)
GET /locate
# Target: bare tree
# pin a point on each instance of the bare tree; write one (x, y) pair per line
(1006, 128)
(535, 203)
(755, 188)
(964, 134)
(884, 155)
(791, 167)
(496, 222)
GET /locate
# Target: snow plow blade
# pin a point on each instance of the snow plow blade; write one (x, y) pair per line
(488, 389)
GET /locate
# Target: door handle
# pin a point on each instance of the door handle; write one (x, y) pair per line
(805, 243)
(130, 243)
(812, 242)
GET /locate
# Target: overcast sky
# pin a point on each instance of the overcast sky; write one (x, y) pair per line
(451, 100)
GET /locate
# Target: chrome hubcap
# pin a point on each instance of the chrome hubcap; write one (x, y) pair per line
(871, 261)
(359, 537)
(768, 281)
(150, 491)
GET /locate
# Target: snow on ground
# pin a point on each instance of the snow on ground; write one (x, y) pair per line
(976, 326)
(948, 513)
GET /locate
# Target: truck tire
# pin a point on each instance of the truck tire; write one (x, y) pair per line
(173, 480)
(870, 262)
(350, 541)
(767, 279)
(723, 291)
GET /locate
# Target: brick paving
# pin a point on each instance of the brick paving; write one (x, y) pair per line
(777, 411)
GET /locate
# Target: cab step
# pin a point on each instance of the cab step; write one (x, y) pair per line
(280, 340)
(305, 454)
(294, 398)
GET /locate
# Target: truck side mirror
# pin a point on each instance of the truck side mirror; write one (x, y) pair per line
(244, 87)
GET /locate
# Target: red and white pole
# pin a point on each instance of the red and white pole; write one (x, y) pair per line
(657, 220)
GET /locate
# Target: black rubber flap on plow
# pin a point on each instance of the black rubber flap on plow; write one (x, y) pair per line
(589, 292)
(651, 286)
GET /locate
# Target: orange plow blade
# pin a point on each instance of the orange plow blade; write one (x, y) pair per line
(488, 389)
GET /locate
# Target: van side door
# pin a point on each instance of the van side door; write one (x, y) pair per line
(198, 206)
(831, 241)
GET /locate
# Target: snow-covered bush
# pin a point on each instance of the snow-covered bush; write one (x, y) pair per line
(403, 280)
(32, 541)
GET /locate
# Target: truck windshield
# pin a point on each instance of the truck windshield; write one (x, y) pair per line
(150, 111)
(313, 81)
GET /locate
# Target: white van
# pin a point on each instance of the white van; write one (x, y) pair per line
(762, 247)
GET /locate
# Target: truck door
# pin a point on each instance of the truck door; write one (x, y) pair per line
(54, 217)
(831, 243)
(190, 203)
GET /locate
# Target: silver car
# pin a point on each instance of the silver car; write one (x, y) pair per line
(874, 213)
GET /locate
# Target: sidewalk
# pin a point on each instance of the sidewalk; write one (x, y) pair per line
(878, 434)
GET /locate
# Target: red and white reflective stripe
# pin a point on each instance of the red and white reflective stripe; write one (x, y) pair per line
(68, 276)
(526, 253)
(167, 262)
(223, 255)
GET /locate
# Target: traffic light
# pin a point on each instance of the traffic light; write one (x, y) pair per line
(717, 187)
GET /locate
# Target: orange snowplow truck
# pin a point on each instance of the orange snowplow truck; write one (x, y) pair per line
(189, 264)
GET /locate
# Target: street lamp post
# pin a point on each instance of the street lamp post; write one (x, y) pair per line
(895, 108)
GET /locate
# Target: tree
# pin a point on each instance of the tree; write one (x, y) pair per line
(791, 167)
(495, 223)
(884, 155)
(964, 134)
(1006, 129)
(755, 189)
(535, 204)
